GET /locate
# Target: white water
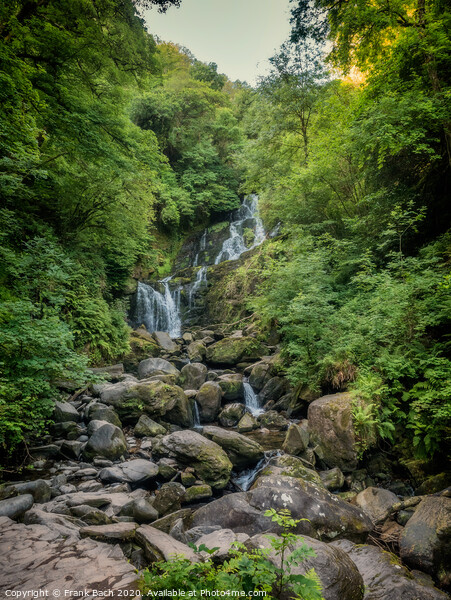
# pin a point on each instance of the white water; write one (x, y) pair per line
(200, 281)
(251, 401)
(161, 311)
(157, 311)
(234, 246)
(196, 415)
(246, 478)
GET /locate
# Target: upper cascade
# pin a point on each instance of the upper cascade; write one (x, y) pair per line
(162, 306)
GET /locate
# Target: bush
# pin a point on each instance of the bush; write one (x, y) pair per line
(247, 571)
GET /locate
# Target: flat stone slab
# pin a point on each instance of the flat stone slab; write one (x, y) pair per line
(109, 533)
(160, 546)
(34, 558)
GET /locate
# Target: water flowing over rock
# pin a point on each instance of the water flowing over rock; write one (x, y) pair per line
(158, 311)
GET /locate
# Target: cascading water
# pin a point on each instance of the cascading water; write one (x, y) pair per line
(158, 307)
(246, 478)
(251, 401)
(196, 416)
(157, 311)
(234, 246)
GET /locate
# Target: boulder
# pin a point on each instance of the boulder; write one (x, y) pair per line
(296, 440)
(197, 492)
(233, 350)
(242, 451)
(156, 366)
(333, 479)
(39, 489)
(193, 376)
(182, 413)
(293, 466)
(232, 387)
(158, 545)
(196, 351)
(339, 576)
(328, 516)
(65, 412)
(384, 577)
(140, 510)
(167, 523)
(247, 423)
(223, 540)
(209, 401)
(164, 341)
(273, 420)
(148, 427)
(90, 515)
(167, 468)
(107, 441)
(68, 430)
(137, 471)
(105, 413)
(71, 449)
(115, 532)
(425, 543)
(259, 375)
(377, 503)
(274, 388)
(331, 429)
(16, 506)
(168, 498)
(208, 459)
(231, 414)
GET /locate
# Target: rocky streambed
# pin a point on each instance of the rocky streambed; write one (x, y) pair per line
(194, 446)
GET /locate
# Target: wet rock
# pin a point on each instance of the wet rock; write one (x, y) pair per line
(15, 507)
(339, 576)
(182, 413)
(296, 440)
(156, 366)
(384, 577)
(107, 441)
(197, 492)
(209, 401)
(242, 451)
(274, 388)
(165, 342)
(331, 428)
(425, 543)
(231, 414)
(64, 412)
(259, 375)
(208, 459)
(247, 423)
(158, 545)
(293, 466)
(137, 471)
(233, 350)
(148, 427)
(273, 420)
(377, 503)
(333, 479)
(196, 351)
(232, 386)
(168, 498)
(193, 376)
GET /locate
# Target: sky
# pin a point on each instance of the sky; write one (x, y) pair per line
(238, 35)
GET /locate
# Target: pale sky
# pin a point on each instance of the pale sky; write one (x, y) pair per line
(238, 35)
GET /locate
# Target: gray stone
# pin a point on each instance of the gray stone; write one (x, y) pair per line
(232, 386)
(156, 366)
(39, 489)
(241, 450)
(141, 510)
(331, 428)
(108, 441)
(223, 540)
(333, 479)
(160, 546)
(137, 471)
(209, 401)
(259, 375)
(377, 503)
(16, 506)
(164, 341)
(148, 427)
(231, 414)
(196, 351)
(197, 492)
(296, 440)
(64, 412)
(193, 376)
(274, 388)
(168, 498)
(384, 577)
(247, 423)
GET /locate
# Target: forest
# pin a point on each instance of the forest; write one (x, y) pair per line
(114, 147)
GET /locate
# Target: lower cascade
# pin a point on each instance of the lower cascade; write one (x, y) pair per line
(158, 311)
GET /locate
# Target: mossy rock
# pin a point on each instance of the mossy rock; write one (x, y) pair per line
(232, 350)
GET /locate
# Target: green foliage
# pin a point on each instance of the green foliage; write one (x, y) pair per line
(246, 572)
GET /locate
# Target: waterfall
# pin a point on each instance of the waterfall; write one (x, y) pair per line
(234, 246)
(246, 478)
(200, 281)
(251, 400)
(157, 311)
(196, 415)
